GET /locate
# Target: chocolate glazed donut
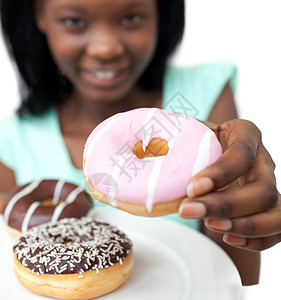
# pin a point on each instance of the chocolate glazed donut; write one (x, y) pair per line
(73, 259)
(44, 201)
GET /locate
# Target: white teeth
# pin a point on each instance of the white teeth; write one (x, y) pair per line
(104, 74)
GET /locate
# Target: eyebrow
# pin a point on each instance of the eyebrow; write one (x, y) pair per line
(133, 4)
(69, 7)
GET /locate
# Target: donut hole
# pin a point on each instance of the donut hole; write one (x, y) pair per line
(49, 202)
(68, 242)
(156, 147)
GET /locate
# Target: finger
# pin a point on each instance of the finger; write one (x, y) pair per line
(230, 132)
(229, 166)
(257, 244)
(240, 140)
(239, 201)
(263, 168)
(215, 177)
(256, 226)
(243, 147)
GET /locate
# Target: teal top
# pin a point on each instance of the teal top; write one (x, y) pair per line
(34, 147)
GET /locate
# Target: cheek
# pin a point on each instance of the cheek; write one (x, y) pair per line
(65, 50)
(143, 45)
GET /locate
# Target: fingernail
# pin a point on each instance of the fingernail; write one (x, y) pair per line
(219, 224)
(192, 210)
(199, 187)
(234, 240)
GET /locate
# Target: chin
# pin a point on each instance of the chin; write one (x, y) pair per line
(106, 96)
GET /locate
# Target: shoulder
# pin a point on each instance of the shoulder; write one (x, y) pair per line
(9, 136)
(203, 73)
(9, 127)
(17, 135)
(17, 126)
(198, 86)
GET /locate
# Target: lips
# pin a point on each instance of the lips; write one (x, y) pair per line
(104, 77)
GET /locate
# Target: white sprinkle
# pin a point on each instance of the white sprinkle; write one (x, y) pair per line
(45, 246)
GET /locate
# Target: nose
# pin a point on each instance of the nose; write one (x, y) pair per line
(105, 44)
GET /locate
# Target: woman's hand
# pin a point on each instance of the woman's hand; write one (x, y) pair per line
(237, 194)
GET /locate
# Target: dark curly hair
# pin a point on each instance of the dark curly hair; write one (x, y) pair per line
(41, 83)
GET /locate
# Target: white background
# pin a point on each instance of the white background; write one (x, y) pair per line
(246, 32)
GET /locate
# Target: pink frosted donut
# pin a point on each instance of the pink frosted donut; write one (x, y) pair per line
(142, 160)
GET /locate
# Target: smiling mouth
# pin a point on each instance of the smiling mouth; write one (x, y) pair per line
(105, 74)
(104, 78)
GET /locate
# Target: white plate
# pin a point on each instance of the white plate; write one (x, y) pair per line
(172, 262)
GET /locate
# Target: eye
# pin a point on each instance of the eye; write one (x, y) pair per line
(74, 22)
(132, 20)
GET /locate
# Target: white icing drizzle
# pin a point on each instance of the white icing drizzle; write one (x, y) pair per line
(156, 172)
(70, 198)
(202, 158)
(147, 128)
(27, 190)
(118, 165)
(29, 213)
(149, 158)
(57, 191)
(96, 139)
(152, 182)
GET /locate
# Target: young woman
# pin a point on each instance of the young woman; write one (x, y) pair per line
(80, 62)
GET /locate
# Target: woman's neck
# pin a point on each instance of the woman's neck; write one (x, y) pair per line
(78, 115)
(78, 118)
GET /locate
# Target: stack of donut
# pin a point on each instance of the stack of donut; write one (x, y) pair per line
(140, 161)
(44, 201)
(73, 259)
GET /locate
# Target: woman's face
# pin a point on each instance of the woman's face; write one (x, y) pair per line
(101, 46)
